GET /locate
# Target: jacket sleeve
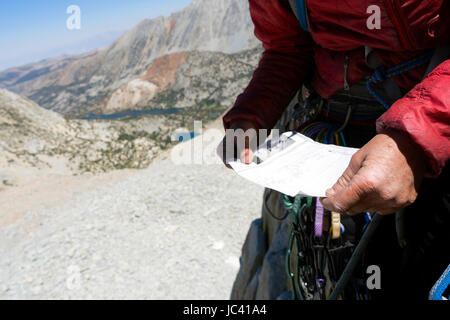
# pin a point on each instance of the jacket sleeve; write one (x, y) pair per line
(285, 62)
(424, 114)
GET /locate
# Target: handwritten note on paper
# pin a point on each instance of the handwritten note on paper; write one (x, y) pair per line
(296, 165)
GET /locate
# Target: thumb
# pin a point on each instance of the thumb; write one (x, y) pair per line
(347, 176)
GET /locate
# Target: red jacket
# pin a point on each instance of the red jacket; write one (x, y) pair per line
(339, 28)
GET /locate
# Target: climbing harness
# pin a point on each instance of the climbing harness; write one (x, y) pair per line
(319, 246)
(318, 235)
(319, 260)
(322, 254)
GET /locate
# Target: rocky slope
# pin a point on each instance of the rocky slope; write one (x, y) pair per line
(32, 137)
(169, 232)
(72, 84)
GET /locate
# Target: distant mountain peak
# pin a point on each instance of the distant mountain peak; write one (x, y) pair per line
(74, 83)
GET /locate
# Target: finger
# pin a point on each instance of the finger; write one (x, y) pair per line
(357, 210)
(360, 209)
(367, 203)
(247, 156)
(251, 141)
(346, 198)
(349, 173)
(371, 200)
(246, 150)
(374, 205)
(383, 212)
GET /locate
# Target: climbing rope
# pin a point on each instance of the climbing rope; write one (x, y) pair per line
(381, 74)
(437, 292)
(266, 207)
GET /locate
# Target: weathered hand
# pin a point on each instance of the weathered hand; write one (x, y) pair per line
(383, 177)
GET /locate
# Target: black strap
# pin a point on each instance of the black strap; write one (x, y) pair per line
(441, 54)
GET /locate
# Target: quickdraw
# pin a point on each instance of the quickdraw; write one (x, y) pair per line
(318, 221)
(314, 263)
(335, 225)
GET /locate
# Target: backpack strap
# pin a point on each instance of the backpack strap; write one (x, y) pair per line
(301, 12)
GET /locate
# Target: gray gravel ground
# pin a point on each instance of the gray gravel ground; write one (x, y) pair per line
(168, 232)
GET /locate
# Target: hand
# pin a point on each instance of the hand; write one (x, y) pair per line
(242, 142)
(383, 177)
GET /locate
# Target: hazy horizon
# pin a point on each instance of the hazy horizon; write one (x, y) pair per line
(36, 31)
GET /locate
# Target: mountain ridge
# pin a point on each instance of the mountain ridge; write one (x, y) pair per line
(71, 84)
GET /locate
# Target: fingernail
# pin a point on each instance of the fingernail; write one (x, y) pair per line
(246, 156)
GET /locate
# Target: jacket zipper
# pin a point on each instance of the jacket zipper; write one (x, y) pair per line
(346, 85)
(402, 28)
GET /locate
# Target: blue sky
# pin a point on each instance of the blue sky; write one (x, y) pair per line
(31, 30)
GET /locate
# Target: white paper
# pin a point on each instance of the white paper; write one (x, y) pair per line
(296, 165)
